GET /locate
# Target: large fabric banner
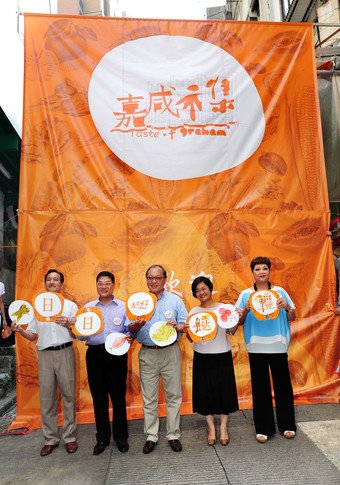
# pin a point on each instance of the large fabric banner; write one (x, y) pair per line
(193, 144)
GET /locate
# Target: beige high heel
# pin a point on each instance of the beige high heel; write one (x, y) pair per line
(225, 441)
(210, 441)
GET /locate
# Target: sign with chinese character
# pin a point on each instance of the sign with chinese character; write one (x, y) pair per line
(202, 326)
(48, 306)
(89, 321)
(141, 305)
(263, 304)
(171, 118)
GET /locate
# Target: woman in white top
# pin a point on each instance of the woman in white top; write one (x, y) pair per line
(2, 306)
(214, 387)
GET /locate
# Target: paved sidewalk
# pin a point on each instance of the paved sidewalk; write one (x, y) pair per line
(311, 458)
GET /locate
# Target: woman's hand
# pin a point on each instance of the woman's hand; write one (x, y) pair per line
(243, 313)
(232, 330)
(240, 312)
(281, 303)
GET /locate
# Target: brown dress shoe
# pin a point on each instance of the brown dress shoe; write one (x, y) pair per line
(47, 449)
(71, 447)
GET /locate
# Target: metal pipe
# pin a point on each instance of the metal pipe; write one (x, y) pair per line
(317, 24)
(331, 71)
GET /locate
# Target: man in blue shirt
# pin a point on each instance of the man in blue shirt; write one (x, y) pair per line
(106, 372)
(157, 361)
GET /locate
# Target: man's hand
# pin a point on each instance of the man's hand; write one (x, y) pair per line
(16, 327)
(135, 326)
(63, 321)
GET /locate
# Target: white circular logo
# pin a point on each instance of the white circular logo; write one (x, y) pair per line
(175, 107)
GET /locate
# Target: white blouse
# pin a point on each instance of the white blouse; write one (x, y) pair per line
(220, 343)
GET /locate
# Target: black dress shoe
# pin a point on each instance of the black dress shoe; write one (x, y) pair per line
(149, 447)
(99, 447)
(123, 446)
(175, 445)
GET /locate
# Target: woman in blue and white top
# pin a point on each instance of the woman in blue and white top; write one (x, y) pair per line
(267, 342)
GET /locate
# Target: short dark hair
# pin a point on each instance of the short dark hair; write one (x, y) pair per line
(260, 260)
(156, 266)
(54, 271)
(198, 280)
(106, 273)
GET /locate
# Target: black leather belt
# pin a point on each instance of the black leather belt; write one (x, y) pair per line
(59, 347)
(157, 346)
(97, 347)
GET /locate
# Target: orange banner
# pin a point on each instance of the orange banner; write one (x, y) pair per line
(194, 144)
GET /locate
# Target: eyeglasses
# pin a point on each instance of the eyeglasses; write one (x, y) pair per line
(200, 290)
(155, 278)
(104, 283)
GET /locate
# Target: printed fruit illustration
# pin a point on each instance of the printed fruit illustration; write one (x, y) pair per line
(65, 239)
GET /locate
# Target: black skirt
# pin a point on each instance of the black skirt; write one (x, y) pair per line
(213, 384)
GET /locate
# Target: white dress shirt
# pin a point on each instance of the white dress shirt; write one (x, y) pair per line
(50, 334)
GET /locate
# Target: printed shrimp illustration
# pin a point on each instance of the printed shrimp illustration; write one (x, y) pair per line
(117, 343)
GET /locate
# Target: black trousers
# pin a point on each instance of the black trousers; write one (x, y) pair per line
(107, 377)
(262, 393)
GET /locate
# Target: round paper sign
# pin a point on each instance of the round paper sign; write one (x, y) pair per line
(227, 315)
(48, 306)
(141, 304)
(263, 304)
(116, 343)
(170, 119)
(21, 312)
(162, 334)
(89, 322)
(202, 326)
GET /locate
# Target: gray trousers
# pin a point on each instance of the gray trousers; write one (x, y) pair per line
(57, 369)
(153, 364)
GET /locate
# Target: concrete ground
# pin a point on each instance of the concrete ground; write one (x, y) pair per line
(313, 457)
